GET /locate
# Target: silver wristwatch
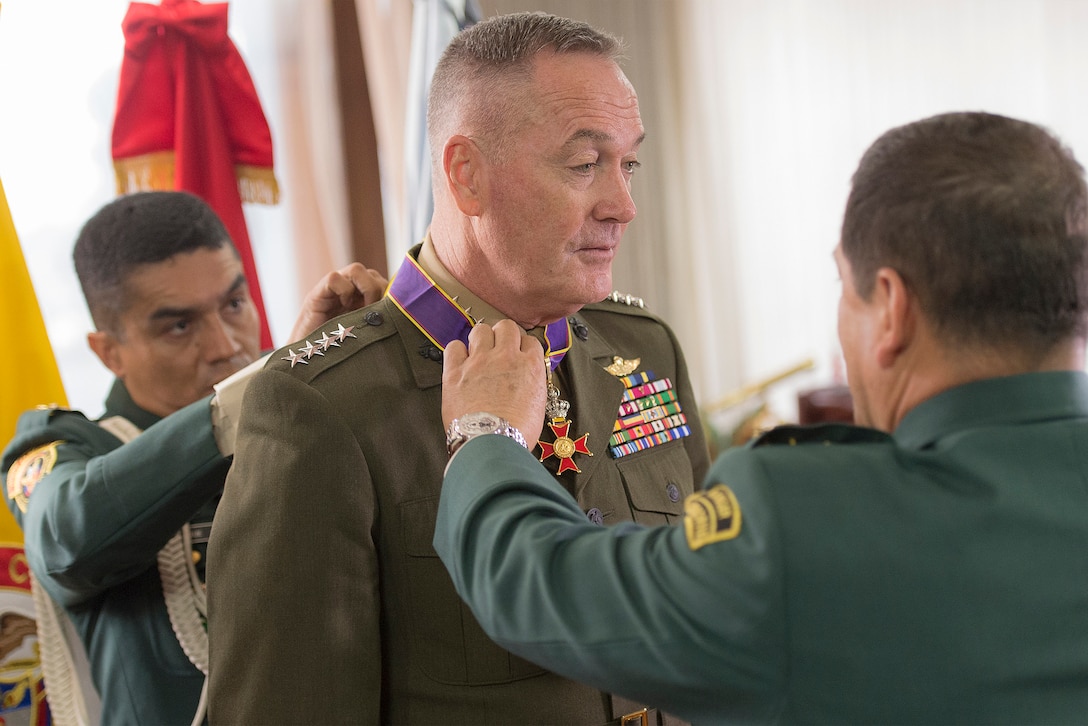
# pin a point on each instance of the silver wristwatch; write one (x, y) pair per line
(476, 424)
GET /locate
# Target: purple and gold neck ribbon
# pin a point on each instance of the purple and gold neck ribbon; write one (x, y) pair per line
(441, 319)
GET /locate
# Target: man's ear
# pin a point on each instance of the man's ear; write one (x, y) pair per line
(897, 319)
(107, 347)
(463, 168)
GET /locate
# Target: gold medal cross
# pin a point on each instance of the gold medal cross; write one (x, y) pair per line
(564, 448)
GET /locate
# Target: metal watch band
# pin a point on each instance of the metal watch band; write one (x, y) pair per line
(455, 438)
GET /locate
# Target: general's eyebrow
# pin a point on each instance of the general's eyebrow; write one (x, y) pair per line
(166, 313)
(599, 137)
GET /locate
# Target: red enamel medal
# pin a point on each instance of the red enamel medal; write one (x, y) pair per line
(564, 447)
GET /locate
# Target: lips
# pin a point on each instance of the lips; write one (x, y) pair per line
(601, 237)
(599, 247)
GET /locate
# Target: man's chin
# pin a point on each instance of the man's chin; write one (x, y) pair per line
(599, 292)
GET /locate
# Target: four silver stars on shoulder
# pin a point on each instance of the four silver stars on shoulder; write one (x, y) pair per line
(330, 339)
(631, 300)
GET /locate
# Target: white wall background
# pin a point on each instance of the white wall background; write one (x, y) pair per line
(777, 103)
(795, 90)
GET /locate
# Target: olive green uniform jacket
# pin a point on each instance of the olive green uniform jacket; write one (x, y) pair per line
(327, 601)
(938, 575)
(94, 526)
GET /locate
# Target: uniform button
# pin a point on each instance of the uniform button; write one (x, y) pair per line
(579, 328)
(595, 516)
(374, 318)
(673, 492)
(431, 352)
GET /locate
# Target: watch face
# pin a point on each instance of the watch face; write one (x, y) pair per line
(478, 423)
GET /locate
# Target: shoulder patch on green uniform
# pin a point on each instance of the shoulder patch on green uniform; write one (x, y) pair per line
(820, 434)
(28, 470)
(712, 515)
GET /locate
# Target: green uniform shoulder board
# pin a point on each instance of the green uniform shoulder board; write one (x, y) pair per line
(820, 434)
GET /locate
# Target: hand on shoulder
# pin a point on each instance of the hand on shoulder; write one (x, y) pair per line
(338, 292)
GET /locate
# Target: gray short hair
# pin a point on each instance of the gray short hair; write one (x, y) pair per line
(482, 72)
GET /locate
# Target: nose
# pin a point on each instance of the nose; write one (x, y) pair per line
(616, 203)
(219, 341)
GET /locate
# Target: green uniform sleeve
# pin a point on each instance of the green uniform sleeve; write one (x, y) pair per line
(627, 609)
(103, 512)
(293, 573)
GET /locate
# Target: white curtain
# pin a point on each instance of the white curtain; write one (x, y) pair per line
(308, 136)
(795, 91)
(386, 28)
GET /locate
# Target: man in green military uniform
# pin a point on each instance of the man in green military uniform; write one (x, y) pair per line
(927, 570)
(327, 601)
(116, 532)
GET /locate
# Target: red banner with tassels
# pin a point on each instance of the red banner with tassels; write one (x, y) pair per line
(188, 118)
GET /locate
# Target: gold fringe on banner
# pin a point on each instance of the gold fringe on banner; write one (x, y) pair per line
(147, 173)
(257, 184)
(155, 172)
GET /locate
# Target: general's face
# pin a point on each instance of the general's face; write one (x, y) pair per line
(854, 327)
(189, 324)
(560, 197)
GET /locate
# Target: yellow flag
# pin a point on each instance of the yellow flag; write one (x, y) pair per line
(28, 372)
(28, 378)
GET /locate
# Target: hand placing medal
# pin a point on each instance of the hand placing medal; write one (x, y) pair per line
(501, 372)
